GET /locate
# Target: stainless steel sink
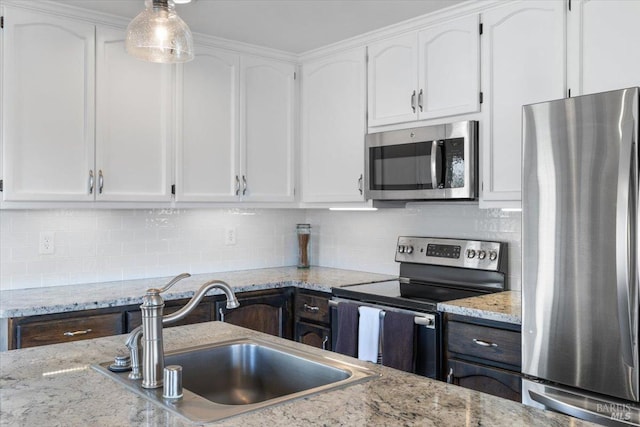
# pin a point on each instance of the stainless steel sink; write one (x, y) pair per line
(233, 377)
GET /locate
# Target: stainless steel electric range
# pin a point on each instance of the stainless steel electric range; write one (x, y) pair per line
(432, 270)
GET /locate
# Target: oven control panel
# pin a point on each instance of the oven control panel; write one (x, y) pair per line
(476, 254)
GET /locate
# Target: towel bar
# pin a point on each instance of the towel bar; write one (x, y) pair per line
(420, 319)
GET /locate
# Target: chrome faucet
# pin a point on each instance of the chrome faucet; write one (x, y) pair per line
(147, 338)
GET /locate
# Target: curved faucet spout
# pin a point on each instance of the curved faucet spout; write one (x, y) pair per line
(232, 301)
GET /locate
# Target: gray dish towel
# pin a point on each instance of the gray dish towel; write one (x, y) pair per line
(397, 338)
(347, 341)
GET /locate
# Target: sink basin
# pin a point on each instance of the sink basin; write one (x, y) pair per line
(233, 377)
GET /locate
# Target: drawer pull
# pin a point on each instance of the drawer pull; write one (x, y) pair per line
(311, 308)
(73, 334)
(484, 343)
(324, 342)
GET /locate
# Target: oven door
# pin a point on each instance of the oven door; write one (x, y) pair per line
(433, 162)
(427, 348)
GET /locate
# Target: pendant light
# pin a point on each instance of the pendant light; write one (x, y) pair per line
(158, 34)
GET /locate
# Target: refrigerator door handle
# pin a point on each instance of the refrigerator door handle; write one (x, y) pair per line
(626, 250)
(554, 403)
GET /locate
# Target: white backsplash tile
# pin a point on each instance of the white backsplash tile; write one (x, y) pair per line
(105, 245)
(366, 240)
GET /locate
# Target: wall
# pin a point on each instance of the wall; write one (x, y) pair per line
(106, 245)
(367, 240)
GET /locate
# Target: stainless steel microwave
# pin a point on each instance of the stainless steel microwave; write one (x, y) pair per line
(426, 163)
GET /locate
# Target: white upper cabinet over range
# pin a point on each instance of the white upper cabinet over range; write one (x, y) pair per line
(333, 127)
(208, 142)
(133, 124)
(426, 74)
(48, 83)
(523, 62)
(603, 52)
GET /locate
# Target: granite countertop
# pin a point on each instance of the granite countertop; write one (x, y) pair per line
(54, 385)
(501, 306)
(60, 299)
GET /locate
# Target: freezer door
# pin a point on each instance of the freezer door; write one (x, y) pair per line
(579, 232)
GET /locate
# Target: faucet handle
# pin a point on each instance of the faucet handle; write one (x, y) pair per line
(174, 281)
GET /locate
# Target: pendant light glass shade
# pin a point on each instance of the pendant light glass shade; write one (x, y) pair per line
(159, 35)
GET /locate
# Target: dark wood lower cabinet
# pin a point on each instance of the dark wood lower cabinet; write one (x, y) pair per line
(66, 327)
(265, 311)
(498, 382)
(483, 355)
(313, 335)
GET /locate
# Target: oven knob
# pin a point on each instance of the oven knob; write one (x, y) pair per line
(493, 255)
(408, 249)
(471, 253)
(401, 249)
(482, 254)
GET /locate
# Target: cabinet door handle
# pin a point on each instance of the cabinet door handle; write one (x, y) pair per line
(221, 314)
(450, 376)
(237, 185)
(74, 333)
(420, 100)
(91, 181)
(324, 342)
(360, 184)
(244, 185)
(100, 181)
(413, 101)
(311, 308)
(484, 343)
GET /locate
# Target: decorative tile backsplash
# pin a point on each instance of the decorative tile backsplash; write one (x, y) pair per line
(104, 245)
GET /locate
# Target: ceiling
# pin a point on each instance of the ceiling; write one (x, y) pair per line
(291, 25)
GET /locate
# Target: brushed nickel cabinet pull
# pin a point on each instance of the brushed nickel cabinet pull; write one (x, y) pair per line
(420, 100)
(450, 376)
(360, 184)
(221, 314)
(484, 343)
(91, 181)
(311, 308)
(100, 181)
(244, 185)
(74, 333)
(413, 101)
(237, 185)
(324, 342)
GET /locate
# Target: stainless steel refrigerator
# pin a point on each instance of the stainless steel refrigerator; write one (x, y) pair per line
(580, 256)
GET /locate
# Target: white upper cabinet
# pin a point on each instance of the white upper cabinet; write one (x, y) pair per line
(393, 76)
(207, 167)
(133, 124)
(523, 62)
(427, 74)
(333, 127)
(603, 53)
(48, 116)
(267, 99)
(449, 76)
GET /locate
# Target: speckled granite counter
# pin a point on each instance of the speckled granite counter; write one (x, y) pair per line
(60, 299)
(502, 307)
(53, 385)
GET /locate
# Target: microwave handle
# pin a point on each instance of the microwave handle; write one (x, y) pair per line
(435, 147)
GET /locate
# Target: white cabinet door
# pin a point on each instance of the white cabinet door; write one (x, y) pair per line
(603, 53)
(133, 123)
(333, 127)
(207, 166)
(393, 77)
(267, 102)
(48, 84)
(523, 62)
(449, 69)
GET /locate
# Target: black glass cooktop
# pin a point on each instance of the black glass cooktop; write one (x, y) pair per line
(415, 296)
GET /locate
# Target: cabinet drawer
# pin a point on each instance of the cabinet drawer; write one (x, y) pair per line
(45, 332)
(498, 345)
(312, 307)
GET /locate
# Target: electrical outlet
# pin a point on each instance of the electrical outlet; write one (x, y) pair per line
(47, 242)
(230, 236)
